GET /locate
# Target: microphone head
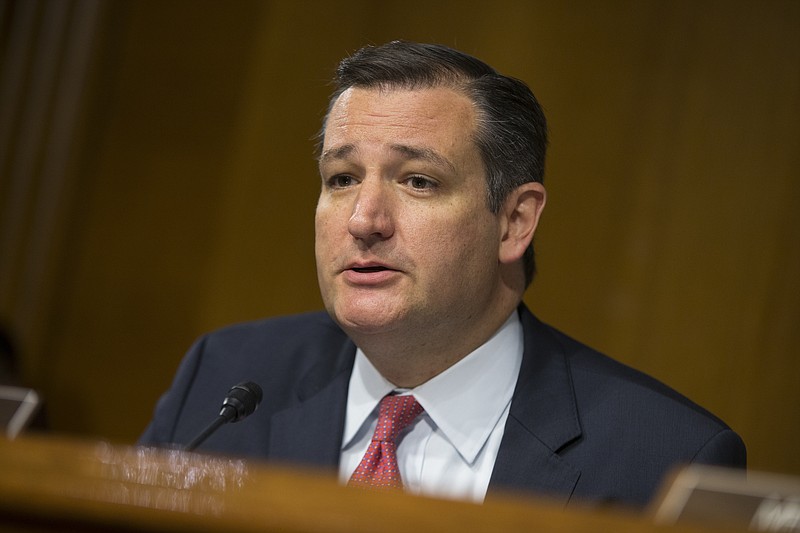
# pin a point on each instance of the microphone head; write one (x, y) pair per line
(241, 401)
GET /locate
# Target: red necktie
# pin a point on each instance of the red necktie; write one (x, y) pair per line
(378, 468)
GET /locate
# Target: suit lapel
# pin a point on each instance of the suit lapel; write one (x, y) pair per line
(310, 431)
(543, 419)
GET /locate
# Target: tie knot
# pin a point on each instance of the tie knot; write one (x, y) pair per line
(396, 412)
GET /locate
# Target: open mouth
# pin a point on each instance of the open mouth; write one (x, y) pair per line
(365, 270)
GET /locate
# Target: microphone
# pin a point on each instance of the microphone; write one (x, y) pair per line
(240, 402)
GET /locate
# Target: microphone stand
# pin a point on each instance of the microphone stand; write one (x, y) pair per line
(212, 427)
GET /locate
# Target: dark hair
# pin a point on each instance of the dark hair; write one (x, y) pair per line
(511, 130)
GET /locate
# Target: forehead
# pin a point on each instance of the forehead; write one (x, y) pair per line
(440, 117)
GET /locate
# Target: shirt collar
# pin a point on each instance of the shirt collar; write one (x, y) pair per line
(465, 402)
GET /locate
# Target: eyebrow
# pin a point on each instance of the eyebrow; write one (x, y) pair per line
(424, 154)
(333, 154)
(408, 152)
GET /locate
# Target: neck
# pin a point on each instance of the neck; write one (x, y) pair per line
(410, 358)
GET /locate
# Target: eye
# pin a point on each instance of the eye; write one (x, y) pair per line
(420, 183)
(340, 181)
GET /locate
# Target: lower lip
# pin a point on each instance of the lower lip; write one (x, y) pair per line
(369, 278)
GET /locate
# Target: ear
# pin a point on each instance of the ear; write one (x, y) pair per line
(519, 217)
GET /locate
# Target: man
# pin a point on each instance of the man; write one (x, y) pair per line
(432, 167)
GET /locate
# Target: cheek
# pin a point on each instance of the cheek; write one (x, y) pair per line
(324, 247)
(451, 244)
(332, 213)
(324, 226)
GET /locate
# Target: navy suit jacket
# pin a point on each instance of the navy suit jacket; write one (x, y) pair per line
(582, 427)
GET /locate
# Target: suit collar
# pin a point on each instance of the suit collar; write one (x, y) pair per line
(544, 400)
(310, 431)
(543, 419)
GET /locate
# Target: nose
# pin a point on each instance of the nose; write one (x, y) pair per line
(371, 219)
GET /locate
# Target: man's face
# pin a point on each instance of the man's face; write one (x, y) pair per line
(404, 239)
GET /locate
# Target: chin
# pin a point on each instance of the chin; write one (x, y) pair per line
(366, 321)
(365, 326)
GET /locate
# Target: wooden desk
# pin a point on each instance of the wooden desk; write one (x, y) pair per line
(49, 484)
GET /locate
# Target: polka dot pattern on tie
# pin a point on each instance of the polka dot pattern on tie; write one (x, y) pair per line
(378, 468)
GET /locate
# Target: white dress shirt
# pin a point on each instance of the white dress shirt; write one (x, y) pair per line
(450, 450)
